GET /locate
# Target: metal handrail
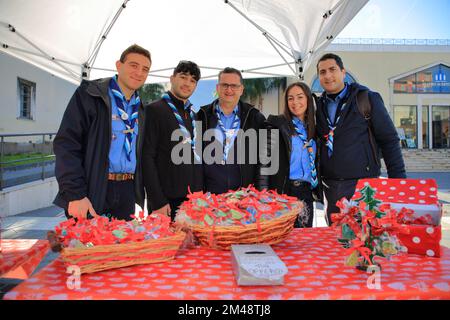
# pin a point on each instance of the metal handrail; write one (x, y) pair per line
(27, 159)
(8, 135)
(42, 158)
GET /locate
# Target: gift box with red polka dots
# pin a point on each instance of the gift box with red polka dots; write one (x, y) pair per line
(420, 196)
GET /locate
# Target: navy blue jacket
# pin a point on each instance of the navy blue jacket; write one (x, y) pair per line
(352, 154)
(82, 145)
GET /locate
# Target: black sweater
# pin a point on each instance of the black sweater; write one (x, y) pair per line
(164, 179)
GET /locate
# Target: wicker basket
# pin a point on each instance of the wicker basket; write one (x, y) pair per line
(105, 257)
(269, 232)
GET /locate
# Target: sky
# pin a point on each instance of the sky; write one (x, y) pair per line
(204, 94)
(401, 19)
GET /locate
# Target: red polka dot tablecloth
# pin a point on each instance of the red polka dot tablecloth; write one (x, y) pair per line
(316, 270)
(19, 257)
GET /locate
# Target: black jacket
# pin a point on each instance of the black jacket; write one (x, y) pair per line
(215, 175)
(82, 147)
(352, 156)
(163, 179)
(279, 180)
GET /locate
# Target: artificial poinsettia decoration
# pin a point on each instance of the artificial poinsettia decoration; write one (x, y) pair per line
(104, 231)
(368, 229)
(241, 207)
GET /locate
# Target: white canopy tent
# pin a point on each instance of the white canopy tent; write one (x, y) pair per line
(76, 38)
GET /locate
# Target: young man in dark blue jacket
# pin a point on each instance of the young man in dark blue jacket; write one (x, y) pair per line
(97, 146)
(346, 152)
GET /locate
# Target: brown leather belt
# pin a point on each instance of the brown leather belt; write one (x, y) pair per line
(120, 176)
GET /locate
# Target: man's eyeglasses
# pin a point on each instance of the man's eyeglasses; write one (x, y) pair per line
(233, 87)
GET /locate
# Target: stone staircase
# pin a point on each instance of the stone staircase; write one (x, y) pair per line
(425, 160)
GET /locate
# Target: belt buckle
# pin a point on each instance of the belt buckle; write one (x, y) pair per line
(296, 183)
(127, 176)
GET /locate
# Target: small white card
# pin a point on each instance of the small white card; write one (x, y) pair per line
(265, 267)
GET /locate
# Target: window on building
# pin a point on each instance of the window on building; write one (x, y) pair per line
(405, 120)
(317, 88)
(432, 80)
(406, 84)
(26, 97)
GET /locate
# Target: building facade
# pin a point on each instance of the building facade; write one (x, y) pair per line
(33, 100)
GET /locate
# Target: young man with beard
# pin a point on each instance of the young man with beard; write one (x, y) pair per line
(166, 180)
(348, 150)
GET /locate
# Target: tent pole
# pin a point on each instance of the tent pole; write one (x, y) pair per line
(325, 17)
(251, 72)
(329, 38)
(256, 25)
(266, 34)
(152, 73)
(85, 71)
(267, 67)
(7, 46)
(282, 57)
(316, 46)
(264, 73)
(342, 4)
(44, 54)
(90, 61)
(299, 69)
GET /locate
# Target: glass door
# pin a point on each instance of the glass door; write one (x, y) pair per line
(425, 126)
(440, 127)
(405, 120)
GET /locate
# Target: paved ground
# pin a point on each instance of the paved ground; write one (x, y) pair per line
(35, 224)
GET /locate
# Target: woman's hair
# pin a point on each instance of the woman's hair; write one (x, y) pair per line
(309, 122)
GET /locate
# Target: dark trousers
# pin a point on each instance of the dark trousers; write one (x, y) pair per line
(174, 205)
(120, 200)
(303, 193)
(335, 190)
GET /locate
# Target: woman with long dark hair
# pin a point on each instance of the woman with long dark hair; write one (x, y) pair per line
(297, 174)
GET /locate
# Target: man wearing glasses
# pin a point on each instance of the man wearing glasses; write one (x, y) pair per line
(167, 180)
(233, 164)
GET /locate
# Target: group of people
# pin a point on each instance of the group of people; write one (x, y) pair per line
(113, 152)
